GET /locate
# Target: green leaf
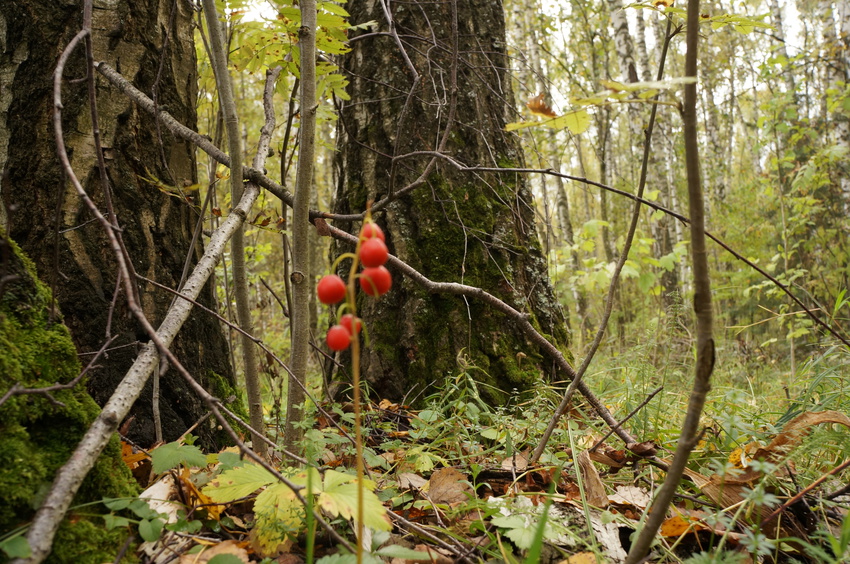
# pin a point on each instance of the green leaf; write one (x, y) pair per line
(339, 498)
(514, 521)
(429, 415)
(798, 333)
(293, 14)
(630, 270)
(576, 121)
(150, 529)
(522, 537)
(171, 455)
(141, 509)
(278, 513)
(117, 504)
(230, 460)
(645, 281)
(490, 433)
(334, 9)
(16, 547)
(114, 521)
(238, 483)
(329, 20)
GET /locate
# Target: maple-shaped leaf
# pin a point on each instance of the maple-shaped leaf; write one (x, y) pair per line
(278, 503)
(539, 107)
(238, 482)
(339, 498)
(174, 454)
(518, 528)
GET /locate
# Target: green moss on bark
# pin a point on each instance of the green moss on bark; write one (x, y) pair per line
(38, 435)
(233, 399)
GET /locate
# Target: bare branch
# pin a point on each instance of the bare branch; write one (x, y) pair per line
(521, 319)
(702, 304)
(284, 195)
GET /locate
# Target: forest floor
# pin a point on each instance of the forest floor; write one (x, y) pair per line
(453, 482)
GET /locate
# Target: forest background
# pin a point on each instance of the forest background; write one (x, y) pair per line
(598, 123)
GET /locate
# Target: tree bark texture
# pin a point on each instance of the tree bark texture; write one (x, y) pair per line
(467, 227)
(151, 43)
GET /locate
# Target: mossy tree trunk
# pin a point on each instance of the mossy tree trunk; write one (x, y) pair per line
(151, 43)
(477, 228)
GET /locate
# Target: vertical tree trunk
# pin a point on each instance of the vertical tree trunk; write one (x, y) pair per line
(475, 228)
(779, 33)
(836, 53)
(151, 43)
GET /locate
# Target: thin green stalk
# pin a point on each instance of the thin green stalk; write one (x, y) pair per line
(355, 381)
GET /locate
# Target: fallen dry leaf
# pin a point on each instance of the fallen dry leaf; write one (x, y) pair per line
(225, 547)
(631, 495)
(407, 480)
(594, 489)
(447, 485)
(580, 558)
(196, 497)
(518, 461)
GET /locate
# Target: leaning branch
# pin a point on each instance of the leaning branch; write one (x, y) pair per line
(615, 276)
(70, 476)
(285, 196)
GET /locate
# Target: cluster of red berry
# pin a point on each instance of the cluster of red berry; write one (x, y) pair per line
(375, 280)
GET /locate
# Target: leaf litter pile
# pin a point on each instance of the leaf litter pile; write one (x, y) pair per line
(455, 485)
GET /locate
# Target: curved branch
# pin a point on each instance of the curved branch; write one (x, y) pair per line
(284, 195)
(615, 276)
(702, 305)
(521, 319)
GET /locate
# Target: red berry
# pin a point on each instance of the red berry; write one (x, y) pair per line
(371, 231)
(338, 338)
(331, 289)
(376, 281)
(373, 252)
(346, 320)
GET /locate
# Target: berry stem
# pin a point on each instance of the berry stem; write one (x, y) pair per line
(355, 381)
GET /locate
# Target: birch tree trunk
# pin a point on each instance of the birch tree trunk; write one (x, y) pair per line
(151, 41)
(836, 54)
(436, 81)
